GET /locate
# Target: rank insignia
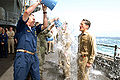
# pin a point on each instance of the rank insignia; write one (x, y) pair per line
(28, 31)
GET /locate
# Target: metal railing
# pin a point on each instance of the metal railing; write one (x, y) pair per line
(115, 48)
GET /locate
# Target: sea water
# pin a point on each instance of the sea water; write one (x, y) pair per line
(110, 41)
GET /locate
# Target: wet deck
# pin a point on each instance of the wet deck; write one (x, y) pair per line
(51, 70)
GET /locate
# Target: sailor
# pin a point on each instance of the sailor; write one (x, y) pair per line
(10, 34)
(3, 43)
(65, 53)
(26, 59)
(42, 44)
(86, 50)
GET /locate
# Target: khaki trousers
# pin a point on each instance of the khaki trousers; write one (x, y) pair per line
(83, 71)
(64, 62)
(10, 44)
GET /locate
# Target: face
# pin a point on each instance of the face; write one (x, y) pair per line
(83, 26)
(6, 29)
(11, 28)
(31, 20)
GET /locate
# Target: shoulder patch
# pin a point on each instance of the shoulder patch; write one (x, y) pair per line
(28, 31)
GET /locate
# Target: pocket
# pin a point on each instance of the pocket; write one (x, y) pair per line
(28, 41)
(27, 38)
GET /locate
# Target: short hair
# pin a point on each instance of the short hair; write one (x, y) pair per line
(87, 22)
(32, 14)
(37, 23)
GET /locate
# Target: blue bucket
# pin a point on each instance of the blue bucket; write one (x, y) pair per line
(49, 3)
(58, 23)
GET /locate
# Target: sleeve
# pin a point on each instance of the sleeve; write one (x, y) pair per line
(16, 36)
(8, 34)
(46, 31)
(6, 37)
(38, 28)
(92, 50)
(79, 44)
(13, 34)
(21, 24)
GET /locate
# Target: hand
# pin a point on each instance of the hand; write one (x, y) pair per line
(88, 65)
(15, 40)
(39, 2)
(44, 8)
(55, 19)
(2, 43)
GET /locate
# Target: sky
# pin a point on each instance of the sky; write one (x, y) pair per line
(103, 14)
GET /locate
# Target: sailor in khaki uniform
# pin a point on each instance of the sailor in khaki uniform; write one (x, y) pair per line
(10, 34)
(64, 54)
(86, 50)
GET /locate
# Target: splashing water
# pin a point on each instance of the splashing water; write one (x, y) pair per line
(94, 74)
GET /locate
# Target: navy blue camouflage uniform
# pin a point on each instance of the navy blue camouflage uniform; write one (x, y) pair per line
(25, 62)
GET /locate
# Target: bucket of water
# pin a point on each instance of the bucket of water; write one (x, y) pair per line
(49, 3)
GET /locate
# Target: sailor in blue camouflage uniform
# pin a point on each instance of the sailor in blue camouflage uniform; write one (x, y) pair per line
(3, 44)
(26, 59)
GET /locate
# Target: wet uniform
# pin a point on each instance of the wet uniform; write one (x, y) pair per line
(26, 59)
(86, 54)
(42, 48)
(64, 55)
(4, 46)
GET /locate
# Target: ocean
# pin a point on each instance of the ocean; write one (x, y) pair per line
(110, 41)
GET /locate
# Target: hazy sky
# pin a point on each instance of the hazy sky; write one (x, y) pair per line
(103, 14)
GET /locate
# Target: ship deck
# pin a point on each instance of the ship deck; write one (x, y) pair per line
(51, 69)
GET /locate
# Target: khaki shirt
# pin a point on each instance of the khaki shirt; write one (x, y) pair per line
(10, 34)
(87, 46)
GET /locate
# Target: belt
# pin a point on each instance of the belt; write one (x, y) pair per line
(25, 51)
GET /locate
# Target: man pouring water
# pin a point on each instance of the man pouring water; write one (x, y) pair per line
(26, 58)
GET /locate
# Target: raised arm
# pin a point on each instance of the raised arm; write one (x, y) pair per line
(29, 11)
(45, 20)
(52, 20)
(51, 27)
